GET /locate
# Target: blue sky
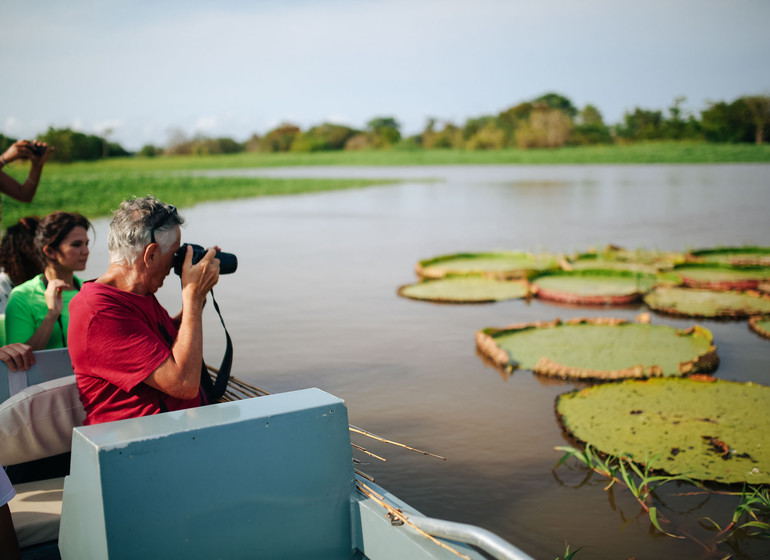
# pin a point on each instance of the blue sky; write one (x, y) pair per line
(234, 68)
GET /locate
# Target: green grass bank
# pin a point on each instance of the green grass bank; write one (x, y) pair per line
(96, 188)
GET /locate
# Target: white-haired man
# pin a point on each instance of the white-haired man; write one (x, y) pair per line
(130, 357)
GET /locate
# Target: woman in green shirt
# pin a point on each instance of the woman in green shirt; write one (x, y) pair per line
(38, 310)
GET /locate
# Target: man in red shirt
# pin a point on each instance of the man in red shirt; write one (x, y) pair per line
(129, 356)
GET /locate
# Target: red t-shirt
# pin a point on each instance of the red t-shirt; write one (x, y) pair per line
(117, 339)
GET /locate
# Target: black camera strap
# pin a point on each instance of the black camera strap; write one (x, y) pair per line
(215, 389)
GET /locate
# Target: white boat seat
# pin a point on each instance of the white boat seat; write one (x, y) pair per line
(36, 511)
(37, 422)
(49, 364)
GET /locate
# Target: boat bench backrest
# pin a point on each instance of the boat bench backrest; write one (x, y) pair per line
(38, 408)
(49, 365)
(268, 477)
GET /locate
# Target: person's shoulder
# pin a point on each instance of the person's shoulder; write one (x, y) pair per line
(34, 284)
(24, 293)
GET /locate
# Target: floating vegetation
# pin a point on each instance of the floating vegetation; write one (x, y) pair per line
(500, 265)
(709, 431)
(599, 348)
(732, 255)
(690, 302)
(465, 289)
(717, 276)
(617, 258)
(760, 325)
(593, 287)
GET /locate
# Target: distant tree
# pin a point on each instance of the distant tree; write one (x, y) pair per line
(545, 128)
(510, 119)
(178, 143)
(427, 137)
(589, 128)
(5, 142)
(474, 125)
(279, 139)
(680, 125)
(489, 137)
(72, 145)
(557, 101)
(361, 141)
(590, 115)
(116, 150)
(252, 144)
(727, 122)
(450, 136)
(326, 136)
(384, 130)
(642, 124)
(148, 150)
(759, 109)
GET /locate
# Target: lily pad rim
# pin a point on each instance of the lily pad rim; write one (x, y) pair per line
(735, 315)
(523, 282)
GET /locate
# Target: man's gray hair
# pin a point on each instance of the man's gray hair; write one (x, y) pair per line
(135, 223)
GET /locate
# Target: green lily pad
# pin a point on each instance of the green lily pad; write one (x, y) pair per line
(710, 431)
(503, 265)
(599, 348)
(592, 287)
(617, 258)
(733, 255)
(465, 289)
(716, 276)
(690, 302)
(760, 325)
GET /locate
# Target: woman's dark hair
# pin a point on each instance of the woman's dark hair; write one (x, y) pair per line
(18, 255)
(52, 230)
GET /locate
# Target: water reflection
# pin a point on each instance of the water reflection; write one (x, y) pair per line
(314, 303)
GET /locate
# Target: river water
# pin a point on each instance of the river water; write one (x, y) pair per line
(313, 304)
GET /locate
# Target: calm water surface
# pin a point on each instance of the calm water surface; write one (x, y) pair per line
(314, 304)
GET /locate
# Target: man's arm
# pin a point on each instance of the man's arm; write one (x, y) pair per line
(179, 375)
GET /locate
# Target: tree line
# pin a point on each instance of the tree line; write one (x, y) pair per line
(548, 121)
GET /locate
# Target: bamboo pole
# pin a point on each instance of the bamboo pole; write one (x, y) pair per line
(378, 438)
(368, 452)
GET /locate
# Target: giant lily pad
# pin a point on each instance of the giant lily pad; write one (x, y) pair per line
(599, 348)
(503, 265)
(691, 302)
(716, 276)
(465, 289)
(760, 325)
(590, 287)
(733, 255)
(715, 431)
(617, 258)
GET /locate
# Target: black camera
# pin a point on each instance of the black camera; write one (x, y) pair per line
(227, 261)
(38, 149)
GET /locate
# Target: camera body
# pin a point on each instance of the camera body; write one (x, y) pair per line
(228, 262)
(38, 149)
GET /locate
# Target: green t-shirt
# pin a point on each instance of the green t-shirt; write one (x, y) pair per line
(26, 310)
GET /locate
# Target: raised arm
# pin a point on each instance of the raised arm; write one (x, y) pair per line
(23, 149)
(179, 375)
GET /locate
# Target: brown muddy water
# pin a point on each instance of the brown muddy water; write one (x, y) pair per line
(314, 304)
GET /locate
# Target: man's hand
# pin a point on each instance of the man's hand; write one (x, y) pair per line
(17, 356)
(199, 278)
